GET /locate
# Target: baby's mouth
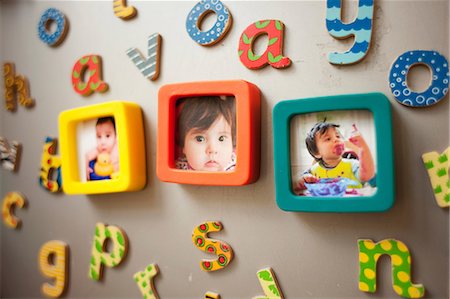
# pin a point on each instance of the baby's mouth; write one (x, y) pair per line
(211, 163)
(338, 149)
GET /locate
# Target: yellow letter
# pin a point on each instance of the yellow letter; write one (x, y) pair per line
(12, 200)
(53, 262)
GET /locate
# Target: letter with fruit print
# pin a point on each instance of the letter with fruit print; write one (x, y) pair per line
(144, 280)
(100, 257)
(50, 167)
(370, 252)
(223, 251)
(93, 65)
(437, 166)
(54, 263)
(273, 55)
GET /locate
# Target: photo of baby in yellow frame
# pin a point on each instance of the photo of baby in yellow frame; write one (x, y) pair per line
(121, 125)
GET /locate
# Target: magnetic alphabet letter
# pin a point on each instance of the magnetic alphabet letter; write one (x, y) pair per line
(93, 65)
(54, 263)
(123, 11)
(370, 252)
(269, 284)
(100, 257)
(437, 166)
(438, 87)
(12, 200)
(219, 248)
(274, 29)
(9, 154)
(16, 88)
(220, 28)
(144, 280)
(360, 28)
(50, 167)
(148, 67)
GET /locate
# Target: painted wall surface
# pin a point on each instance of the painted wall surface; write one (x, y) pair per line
(313, 255)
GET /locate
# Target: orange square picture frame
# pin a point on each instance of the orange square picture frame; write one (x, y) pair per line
(248, 109)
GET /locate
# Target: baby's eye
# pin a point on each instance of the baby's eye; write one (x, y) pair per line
(107, 135)
(199, 138)
(222, 138)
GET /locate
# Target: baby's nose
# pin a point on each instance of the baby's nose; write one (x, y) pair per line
(212, 148)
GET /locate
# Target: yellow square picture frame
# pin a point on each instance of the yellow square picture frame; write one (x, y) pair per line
(131, 148)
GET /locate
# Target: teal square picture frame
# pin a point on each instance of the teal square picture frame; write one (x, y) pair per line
(379, 107)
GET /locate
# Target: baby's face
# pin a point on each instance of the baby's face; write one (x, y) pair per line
(330, 145)
(211, 149)
(106, 137)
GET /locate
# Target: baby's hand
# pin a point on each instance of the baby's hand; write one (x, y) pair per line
(89, 171)
(358, 140)
(306, 178)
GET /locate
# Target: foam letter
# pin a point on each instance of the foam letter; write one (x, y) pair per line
(273, 55)
(369, 253)
(149, 67)
(437, 167)
(49, 164)
(123, 11)
(219, 248)
(53, 262)
(438, 87)
(144, 280)
(269, 284)
(52, 15)
(100, 257)
(10, 201)
(361, 29)
(10, 154)
(217, 31)
(16, 87)
(212, 295)
(93, 65)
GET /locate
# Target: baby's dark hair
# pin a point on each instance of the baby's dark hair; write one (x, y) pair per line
(106, 119)
(321, 128)
(201, 112)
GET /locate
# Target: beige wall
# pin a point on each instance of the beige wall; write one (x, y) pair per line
(313, 255)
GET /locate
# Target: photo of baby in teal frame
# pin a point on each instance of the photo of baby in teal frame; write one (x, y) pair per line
(334, 154)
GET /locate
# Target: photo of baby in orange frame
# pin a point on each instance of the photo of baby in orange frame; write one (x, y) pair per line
(206, 134)
(241, 159)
